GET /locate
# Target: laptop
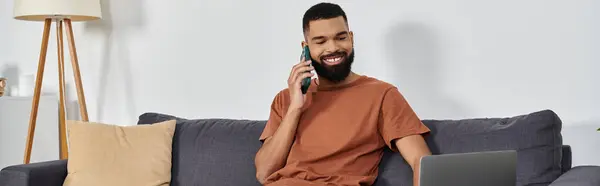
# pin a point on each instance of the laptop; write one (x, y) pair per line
(490, 168)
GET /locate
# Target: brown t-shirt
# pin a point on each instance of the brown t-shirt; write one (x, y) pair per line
(342, 132)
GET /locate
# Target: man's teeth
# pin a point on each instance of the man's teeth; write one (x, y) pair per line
(333, 60)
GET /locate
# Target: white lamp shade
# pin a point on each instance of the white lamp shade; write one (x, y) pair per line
(40, 10)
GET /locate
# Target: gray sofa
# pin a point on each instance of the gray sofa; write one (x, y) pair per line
(220, 152)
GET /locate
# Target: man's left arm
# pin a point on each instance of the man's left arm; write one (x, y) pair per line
(412, 148)
(402, 130)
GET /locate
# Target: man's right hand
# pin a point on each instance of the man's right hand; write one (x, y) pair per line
(299, 72)
(274, 151)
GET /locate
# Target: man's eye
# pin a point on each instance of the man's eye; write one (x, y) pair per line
(320, 42)
(342, 38)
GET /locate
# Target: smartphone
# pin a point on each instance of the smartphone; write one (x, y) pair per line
(306, 81)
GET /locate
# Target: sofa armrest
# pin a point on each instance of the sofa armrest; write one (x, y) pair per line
(580, 176)
(49, 173)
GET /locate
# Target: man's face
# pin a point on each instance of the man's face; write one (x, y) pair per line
(331, 48)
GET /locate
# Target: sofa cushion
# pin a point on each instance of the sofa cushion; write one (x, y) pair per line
(535, 136)
(212, 152)
(102, 154)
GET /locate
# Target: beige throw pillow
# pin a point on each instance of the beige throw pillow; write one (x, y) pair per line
(110, 155)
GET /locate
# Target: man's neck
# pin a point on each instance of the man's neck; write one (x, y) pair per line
(351, 78)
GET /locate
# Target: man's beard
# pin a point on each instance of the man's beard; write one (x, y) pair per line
(334, 73)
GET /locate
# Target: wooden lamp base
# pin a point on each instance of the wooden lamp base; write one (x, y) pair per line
(61, 70)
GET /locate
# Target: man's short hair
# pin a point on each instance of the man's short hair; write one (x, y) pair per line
(322, 11)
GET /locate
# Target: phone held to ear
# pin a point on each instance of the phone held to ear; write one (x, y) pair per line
(306, 81)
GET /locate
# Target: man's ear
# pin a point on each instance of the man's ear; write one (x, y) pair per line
(303, 43)
(351, 34)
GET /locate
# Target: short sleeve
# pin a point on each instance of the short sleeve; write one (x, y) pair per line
(275, 117)
(397, 119)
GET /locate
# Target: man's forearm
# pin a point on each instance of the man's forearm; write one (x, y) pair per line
(273, 153)
(416, 173)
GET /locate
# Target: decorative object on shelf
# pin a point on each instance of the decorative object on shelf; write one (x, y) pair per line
(26, 84)
(61, 12)
(2, 86)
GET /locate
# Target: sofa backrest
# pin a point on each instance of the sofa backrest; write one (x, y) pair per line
(221, 151)
(212, 152)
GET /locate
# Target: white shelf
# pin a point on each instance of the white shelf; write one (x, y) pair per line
(14, 124)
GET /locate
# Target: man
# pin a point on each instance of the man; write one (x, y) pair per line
(335, 134)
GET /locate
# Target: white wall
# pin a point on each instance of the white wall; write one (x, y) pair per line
(224, 58)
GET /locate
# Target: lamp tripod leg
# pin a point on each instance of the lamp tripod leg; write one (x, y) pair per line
(63, 147)
(37, 91)
(76, 72)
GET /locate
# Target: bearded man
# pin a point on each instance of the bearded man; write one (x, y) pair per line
(336, 132)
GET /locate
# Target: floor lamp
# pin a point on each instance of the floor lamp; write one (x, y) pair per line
(60, 12)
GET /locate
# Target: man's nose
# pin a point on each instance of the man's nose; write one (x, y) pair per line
(331, 47)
